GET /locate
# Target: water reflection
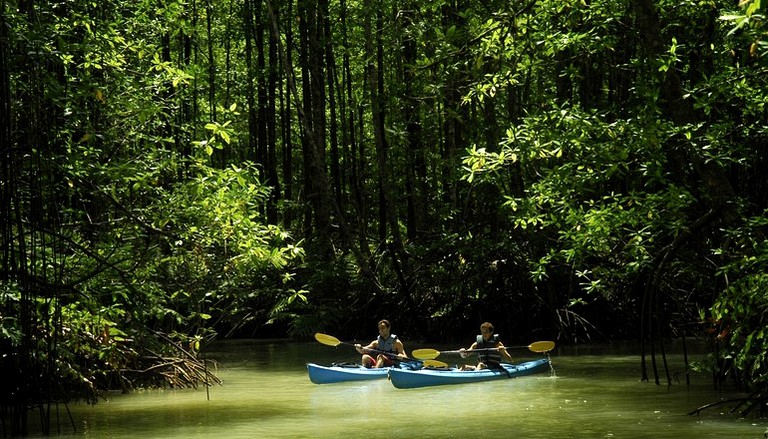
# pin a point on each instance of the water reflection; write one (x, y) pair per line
(267, 394)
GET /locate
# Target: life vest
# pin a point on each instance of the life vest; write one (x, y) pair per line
(387, 345)
(490, 355)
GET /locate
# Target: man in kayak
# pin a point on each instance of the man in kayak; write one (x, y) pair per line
(488, 348)
(387, 348)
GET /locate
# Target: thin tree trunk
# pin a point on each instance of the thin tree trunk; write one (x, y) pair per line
(286, 119)
(6, 155)
(387, 213)
(346, 129)
(211, 60)
(415, 172)
(322, 180)
(261, 92)
(353, 155)
(250, 97)
(308, 120)
(312, 114)
(719, 193)
(271, 121)
(454, 115)
(333, 129)
(188, 102)
(228, 56)
(317, 173)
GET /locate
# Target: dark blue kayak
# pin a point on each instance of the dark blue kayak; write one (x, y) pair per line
(353, 372)
(409, 379)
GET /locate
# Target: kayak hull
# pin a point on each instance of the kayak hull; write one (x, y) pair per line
(342, 373)
(409, 379)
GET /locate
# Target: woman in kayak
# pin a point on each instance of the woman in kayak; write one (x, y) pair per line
(387, 348)
(489, 350)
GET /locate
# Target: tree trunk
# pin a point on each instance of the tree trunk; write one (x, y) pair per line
(188, 101)
(353, 151)
(331, 77)
(717, 191)
(211, 60)
(261, 92)
(416, 169)
(286, 111)
(250, 95)
(271, 122)
(321, 178)
(387, 212)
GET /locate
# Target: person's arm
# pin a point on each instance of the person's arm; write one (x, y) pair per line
(363, 349)
(400, 349)
(465, 352)
(504, 352)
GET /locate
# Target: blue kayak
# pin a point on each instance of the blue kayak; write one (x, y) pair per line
(409, 379)
(353, 372)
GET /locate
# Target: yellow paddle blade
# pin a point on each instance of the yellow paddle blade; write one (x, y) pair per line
(542, 346)
(327, 339)
(425, 354)
(434, 363)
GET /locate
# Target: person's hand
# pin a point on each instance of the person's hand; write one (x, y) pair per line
(463, 353)
(359, 347)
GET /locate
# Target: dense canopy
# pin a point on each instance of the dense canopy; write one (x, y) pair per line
(176, 171)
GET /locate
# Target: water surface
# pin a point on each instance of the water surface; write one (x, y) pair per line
(595, 393)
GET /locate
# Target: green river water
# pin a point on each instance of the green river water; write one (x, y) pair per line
(595, 393)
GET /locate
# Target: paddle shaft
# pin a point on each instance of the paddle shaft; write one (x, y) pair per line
(539, 347)
(536, 347)
(388, 354)
(427, 362)
(471, 351)
(330, 340)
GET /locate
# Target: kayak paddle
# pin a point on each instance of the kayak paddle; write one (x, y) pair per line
(333, 341)
(539, 346)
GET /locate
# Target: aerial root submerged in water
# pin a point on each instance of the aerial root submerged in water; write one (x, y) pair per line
(756, 399)
(176, 372)
(177, 367)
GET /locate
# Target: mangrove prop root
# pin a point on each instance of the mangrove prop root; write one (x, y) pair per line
(758, 398)
(176, 372)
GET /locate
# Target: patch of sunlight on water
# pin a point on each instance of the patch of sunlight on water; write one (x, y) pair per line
(266, 394)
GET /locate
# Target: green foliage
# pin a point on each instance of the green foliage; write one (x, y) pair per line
(209, 248)
(142, 236)
(577, 189)
(740, 313)
(597, 188)
(10, 329)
